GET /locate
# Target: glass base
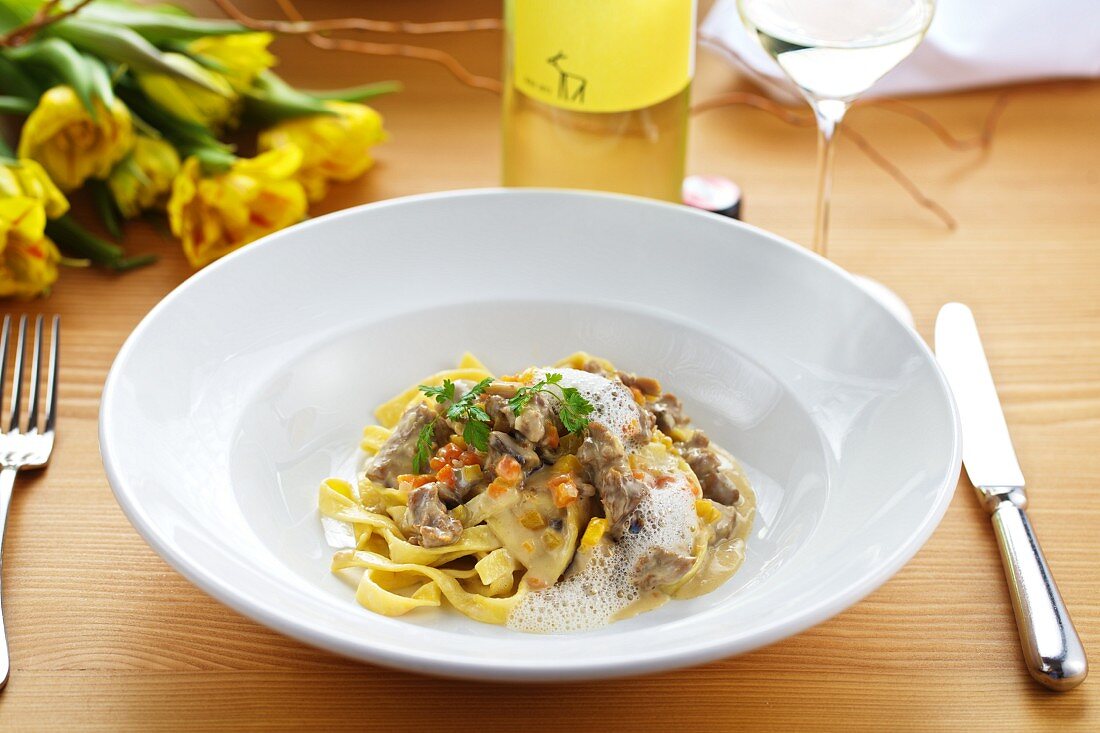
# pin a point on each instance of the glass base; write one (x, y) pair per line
(887, 298)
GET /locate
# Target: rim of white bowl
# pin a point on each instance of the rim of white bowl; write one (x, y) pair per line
(447, 665)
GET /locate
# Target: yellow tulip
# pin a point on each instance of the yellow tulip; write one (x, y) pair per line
(241, 56)
(186, 99)
(214, 215)
(70, 145)
(334, 147)
(143, 179)
(28, 259)
(28, 178)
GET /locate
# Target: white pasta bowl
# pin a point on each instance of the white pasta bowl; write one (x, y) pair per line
(251, 382)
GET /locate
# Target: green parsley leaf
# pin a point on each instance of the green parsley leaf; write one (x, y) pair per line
(476, 433)
(519, 401)
(461, 408)
(425, 442)
(442, 394)
(574, 408)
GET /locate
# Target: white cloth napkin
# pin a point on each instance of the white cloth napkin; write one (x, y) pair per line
(971, 43)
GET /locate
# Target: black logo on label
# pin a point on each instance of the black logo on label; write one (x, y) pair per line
(570, 86)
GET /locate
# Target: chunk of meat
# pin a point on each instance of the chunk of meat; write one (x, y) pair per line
(536, 418)
(500, 414)
(427, 518)
(668, 412)
(604, 461)
(646, 385)
(502, 444)
(395, 457)
(660, 567)
(718, 484)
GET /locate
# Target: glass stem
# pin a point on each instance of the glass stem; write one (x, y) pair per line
(829, 113)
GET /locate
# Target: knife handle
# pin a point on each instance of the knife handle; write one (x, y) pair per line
(1051, 646)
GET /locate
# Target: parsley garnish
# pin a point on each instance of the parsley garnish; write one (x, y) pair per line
(475, 430)
(424, 444)
(574, 408)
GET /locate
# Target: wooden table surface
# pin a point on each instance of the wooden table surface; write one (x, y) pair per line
(105, 634)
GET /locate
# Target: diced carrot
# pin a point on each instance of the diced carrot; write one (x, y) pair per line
(419, 481)
(564, 493)
(406, 478)
(469, 458)
(436, 463)
(552, 436)
(508, 469)
(638, 475)
(446, 475)
(497, 488)
(528, 545)
(449, 452)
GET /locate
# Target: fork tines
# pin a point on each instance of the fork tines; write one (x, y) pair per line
(33, 391)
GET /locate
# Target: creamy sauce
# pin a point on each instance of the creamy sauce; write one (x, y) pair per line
(601, 583)
(601, 586)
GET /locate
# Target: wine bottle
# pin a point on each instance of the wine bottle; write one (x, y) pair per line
(596, 94)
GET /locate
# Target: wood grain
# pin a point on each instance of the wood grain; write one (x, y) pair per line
(104, 635)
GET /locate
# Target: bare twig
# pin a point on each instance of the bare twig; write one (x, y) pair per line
(43, 17)
(903, 180)
(315, 33)
(298, 26)
(312, 30)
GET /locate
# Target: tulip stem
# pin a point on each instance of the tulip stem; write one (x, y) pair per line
(78, 242)
(105, 206)
(356, 94)
(15, 106)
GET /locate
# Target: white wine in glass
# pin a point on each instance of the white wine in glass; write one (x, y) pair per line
(834, 50)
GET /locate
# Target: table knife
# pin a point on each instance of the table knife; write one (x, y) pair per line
(1052, 649)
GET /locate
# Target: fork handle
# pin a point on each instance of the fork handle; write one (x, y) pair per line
(7, 483)
(1051, 646)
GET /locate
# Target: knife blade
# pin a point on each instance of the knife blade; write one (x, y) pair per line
(988, 455)
(1051, 646)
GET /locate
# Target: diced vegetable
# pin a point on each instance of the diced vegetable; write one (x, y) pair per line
(508, 468)
(498, 488)
(564, 490)
(531, 519)
(597, 526)
(567, 464)
(469, 475)
(706, 510)
(552, 439)
(551, 539)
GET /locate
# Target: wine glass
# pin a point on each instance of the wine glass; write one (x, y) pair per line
(834, 50)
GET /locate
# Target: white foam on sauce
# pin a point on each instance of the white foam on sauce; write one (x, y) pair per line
(613, 404)
(607, 584)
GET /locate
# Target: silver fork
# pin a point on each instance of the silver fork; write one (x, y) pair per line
(29, 448)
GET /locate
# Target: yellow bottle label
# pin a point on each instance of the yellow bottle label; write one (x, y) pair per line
(602, 55)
